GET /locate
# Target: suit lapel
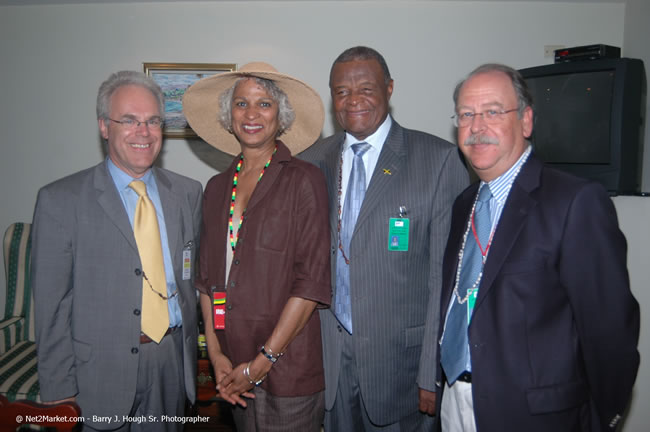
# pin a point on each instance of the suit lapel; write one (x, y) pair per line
(171, 206)
(519, 203)
(329, 162)
(391, 159)
(332, 169)
(109, 200)
(270, 175)
(455, 241)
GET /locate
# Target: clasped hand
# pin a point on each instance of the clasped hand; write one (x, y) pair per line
(233, 386)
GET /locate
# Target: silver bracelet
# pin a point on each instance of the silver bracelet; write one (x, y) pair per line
(269, 354)
(247, 374)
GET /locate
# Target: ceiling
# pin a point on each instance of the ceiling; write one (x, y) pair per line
(60, 2)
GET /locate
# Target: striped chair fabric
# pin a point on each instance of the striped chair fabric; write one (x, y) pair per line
(18, 374)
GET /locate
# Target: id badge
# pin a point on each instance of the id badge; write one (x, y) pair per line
(187, 261)
(219, 309)
(398, 234)
(471, 301)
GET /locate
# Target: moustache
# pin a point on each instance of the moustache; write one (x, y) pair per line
(480, 139)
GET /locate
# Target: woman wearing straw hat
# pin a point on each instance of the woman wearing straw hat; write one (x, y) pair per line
(264, 255)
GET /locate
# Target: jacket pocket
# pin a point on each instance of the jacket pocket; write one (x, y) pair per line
(554, 398)
(413, 336)
(273, 236)
(523, 266)
(82, 350)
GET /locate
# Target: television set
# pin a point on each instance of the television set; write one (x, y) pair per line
(588, 119)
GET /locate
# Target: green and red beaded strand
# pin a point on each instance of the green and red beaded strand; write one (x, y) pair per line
(233, 238)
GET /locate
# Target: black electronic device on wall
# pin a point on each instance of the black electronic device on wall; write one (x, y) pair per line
(588, 119)
(587, 52)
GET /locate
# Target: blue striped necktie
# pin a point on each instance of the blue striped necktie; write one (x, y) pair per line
(454, 355)
(353, 199)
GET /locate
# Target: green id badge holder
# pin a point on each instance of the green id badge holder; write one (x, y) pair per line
(398, 234)
(471, 302)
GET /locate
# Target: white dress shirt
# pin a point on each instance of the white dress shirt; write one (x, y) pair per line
(376, 141)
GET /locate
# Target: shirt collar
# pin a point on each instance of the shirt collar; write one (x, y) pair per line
(376, 140)
(501, 185)
(122, 179)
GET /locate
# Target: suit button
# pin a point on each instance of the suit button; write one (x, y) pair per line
(232, 284)
(229, 307)
(236, 262)
(134, 350)
(338, 327)
(136, 312)
(138, 272)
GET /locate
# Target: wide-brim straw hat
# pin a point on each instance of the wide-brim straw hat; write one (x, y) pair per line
(201, 108)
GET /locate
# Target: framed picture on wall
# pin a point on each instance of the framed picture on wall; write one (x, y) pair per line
(174, 79)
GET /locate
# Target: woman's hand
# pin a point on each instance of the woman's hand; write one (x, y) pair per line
(220, 363)
(222, 367)
(235, 384)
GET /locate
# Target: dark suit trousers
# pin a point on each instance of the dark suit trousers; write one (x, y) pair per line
(349, 412)
(160, 390)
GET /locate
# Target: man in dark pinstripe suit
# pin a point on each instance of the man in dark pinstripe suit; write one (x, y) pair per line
(380, 372)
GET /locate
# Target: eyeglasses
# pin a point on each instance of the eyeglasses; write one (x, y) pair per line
(490, 117)
(131, 123)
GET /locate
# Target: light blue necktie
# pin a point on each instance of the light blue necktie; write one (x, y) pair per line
(353, 199)
(454, 355)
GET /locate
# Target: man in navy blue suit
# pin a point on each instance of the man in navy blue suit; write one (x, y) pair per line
(549, 328)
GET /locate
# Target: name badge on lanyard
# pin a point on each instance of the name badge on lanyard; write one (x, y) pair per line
(471, 302)
(398, 234)
(219, 309)
(187, 260)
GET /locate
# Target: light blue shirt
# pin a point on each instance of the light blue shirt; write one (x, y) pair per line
(370, 157)
(500, 189)
(130, 200)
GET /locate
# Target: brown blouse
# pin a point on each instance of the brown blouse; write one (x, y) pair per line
(283, 251)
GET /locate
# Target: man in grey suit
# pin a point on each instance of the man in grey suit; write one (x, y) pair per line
(89, 279)
(399, 184)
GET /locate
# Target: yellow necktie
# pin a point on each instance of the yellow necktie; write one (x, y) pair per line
(155, 316)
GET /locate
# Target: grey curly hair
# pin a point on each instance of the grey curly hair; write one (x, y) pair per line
(286, 115)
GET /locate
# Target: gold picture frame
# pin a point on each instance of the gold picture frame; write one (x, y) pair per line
(174, 79)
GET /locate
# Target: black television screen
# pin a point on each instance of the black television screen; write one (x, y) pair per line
(588, 119)
(564, 101)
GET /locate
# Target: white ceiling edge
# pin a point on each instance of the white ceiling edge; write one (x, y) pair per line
(63, 2)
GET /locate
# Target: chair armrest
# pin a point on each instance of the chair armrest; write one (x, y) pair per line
(12, 331)
(63, 416)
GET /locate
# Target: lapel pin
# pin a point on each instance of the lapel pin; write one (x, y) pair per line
(387, 171)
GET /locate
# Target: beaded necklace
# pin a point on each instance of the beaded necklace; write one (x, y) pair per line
(234, 239)
(476, 283)
(340, 194)
(470, 226)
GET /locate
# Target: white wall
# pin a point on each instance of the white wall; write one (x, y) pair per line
(633, 215)
(637, 17)
(53, 58)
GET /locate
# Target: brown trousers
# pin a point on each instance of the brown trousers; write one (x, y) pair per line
(269, 413)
